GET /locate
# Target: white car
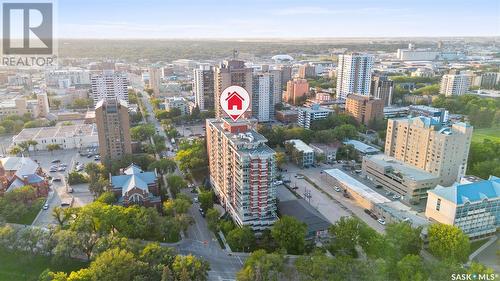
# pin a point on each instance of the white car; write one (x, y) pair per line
(337, 188)
(45, 206)
(278, 182)
(381, 221)
(300, 177)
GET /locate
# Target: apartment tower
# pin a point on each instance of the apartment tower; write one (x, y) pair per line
(203, 87)
(231, 73)
(109, 84)
(113, 127)
(354, 74)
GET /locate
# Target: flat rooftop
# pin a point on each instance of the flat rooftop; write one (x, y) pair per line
(60, 131)
(362, 147)
(357, 186)
(301, 146)
(398, 166)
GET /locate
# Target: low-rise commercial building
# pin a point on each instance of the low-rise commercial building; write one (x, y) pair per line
(474, 207)
(67, 137)
(362, 148)
(327, 151)
(407, 181)
(362, 194)
(300, 153)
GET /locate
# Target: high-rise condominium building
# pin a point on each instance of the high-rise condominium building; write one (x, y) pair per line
(425, 143)
(113, 127)
(354, 74)
(242, 171)
(307, 115)
(42, 104)
(307, 71)
(155, 74)
(364, 109)
(295, 90)
(286, 75)
(203, 87)
(109, 84)
(454, 84)
(263, 96)
(382, 88)
(231, 73)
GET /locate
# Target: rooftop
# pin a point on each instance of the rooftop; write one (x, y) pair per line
(357, 186)
(60, 131)
(406, 170)
(133, 177)
(315, 108)
(362, 147)
(301, 146)
(470, 192)
(304, 212)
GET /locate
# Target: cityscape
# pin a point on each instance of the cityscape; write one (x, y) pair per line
(261, 140)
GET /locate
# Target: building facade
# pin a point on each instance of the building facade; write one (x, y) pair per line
(426, 144)
(266, 85)
(364, 109)
(109, 84)
(454, 84)
(155, 79)
(300, 153)
(113, 127)
(473, 207)
(382, 88)
(135, 186)
(354, 74)
(307, 115)
(307, 71)
(242, 172)
(231, 73)
(203, 87)
(295, 90)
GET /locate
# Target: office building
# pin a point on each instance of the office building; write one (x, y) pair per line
(307, 71)
(409, 182)
(242, 172)
(426, 144)
(203, 87)
(109, 84)
(454, 84)
(263, 96)
(354, 73)
(155, 74)
(296, 91)
(300, 153)
(382, 88)
(438, 114)
(113, 127)
(364, 109)
(42, 105)
(416, 55)
(473, 207)
(232, 73)
(307, 115)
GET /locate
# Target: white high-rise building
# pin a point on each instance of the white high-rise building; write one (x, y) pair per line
(354, 74)
(454, 84)
(266, 86)
(203, 87)
(109, 84)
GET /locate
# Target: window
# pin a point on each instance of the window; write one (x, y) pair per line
(438, 204)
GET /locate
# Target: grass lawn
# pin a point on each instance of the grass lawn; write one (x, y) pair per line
(474, 245)
(479, 135)
(25, 267)
(31, 214)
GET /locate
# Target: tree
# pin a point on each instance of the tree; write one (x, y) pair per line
(191, 268)
(411, 268)
(76, 178)
(206, 199)
(448, 242)
(290, 234)
(403, 240)
(346, 131)
(53, 146)
(15, 150)
(261, 266)
(61, 215)
(280, 159)
(107, 197)
(142, 132)
(348, 233)
(241, 239)
(163, 166)
(213, 216)
(176, 183)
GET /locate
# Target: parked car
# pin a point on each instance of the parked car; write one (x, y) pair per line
(55, 161)
(299, 177)
(97, 158)
(202, 212)
(70, 190)
(278, 182)
(53, 170)
(337, 188)
(395, 197)
(367, 211)
(287, 181)
(381, 221)
(45, 206)
(195, 200)
(61, 169)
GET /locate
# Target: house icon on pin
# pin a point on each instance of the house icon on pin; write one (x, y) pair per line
(234, 100)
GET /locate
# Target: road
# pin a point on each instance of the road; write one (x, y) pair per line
(58, 192)
(200, 241)
(320, 179)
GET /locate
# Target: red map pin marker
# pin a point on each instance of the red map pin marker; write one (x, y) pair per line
(235, 100)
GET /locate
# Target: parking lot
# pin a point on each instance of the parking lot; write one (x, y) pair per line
(59, 191)
(191, 130)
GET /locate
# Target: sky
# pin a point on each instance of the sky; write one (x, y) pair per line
(193, 19)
